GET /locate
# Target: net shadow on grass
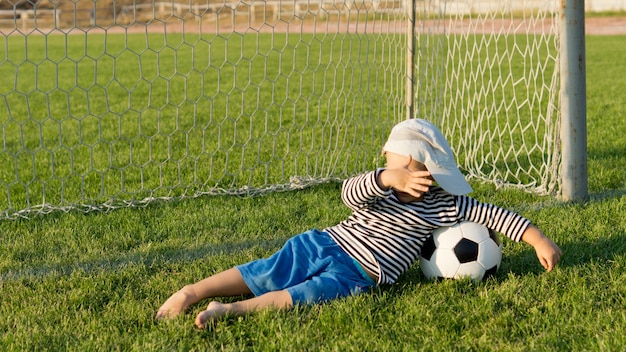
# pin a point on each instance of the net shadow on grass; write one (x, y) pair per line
(157, 258)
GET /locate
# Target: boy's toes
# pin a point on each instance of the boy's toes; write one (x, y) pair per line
(162, 314)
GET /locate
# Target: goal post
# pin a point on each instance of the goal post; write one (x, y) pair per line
(573, 95)
(118, 103)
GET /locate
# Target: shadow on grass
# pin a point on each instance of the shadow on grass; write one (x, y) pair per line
(160, 257)
(575, 253)
(615, 193)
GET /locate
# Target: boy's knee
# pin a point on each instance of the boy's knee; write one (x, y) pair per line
(316, 290)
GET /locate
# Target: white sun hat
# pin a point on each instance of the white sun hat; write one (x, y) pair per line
(426, 144)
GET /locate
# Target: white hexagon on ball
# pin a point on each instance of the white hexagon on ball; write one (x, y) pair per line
(444, 263)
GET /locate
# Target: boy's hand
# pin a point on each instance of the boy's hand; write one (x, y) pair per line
(403, 180)
(547, 251)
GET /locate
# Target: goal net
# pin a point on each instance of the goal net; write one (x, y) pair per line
(117, 103)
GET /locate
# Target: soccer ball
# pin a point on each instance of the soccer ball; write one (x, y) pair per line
(466, 249)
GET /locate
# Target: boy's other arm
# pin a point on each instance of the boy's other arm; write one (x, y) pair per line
(547, 251)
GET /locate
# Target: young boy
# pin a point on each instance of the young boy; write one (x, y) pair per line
(394, 210)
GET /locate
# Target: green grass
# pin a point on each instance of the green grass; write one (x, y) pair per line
(87, 282)
(73, 281)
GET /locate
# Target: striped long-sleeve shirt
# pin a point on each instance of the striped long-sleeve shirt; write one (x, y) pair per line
(386, 236)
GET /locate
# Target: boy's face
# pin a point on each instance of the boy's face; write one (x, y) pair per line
(397, 161)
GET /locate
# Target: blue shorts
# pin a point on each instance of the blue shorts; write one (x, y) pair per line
(311, 267)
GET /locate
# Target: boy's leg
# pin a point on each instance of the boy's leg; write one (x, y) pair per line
(215, 310)
(225, 283)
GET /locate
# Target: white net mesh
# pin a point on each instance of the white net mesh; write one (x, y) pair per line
(117, 103)
(504, 60)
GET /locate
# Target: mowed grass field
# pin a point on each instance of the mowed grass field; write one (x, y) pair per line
(74, 281)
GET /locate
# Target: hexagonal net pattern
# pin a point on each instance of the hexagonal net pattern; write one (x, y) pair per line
(118, 103)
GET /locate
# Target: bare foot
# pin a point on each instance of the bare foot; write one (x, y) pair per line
(214, 310)
(176, 304)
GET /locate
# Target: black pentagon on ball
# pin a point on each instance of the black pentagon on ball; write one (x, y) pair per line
(490, 272)
(466, 250)
(494, 236)
(428, 248)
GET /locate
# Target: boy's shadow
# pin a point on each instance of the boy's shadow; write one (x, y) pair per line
(575, 253)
